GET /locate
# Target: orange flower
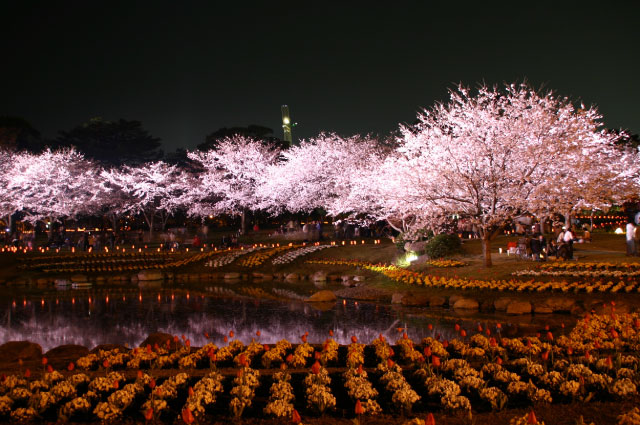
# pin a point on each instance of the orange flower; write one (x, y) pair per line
(265, 347)
(430, 420)
(545, 356)
(187, 416)
(49, 368)
(315, 369)
(190, 392)
(149, 348)
(148, 414)
(405, 336)
(44, 361)
(71, 366)
(289, 358)
(231, 334)
(549, 336)
(27, 373)
(243, 360)
(258, 333)
(390, 363)
(360, 370)
(116, 385)
(295, 417)
(531, 418)
(105, 363)
(206, 335)
(457, 327)
(463, 333)
(435, 360)
(152, 383)
(430, 326)
(480, 328)
(427, 351)
(330, 332)
(499, 360)
(359, 408)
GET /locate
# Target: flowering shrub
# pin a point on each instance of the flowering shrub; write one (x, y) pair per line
(280, 396)
(319, 397)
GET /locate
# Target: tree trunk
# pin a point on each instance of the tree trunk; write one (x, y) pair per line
(114, 222)
(149, 219)
(567, 220)
(486, 250)
(243, 222)
(50, 231)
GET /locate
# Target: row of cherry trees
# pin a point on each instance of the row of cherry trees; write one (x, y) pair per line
(486, 156)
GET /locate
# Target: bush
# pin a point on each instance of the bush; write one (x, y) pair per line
(443, 245)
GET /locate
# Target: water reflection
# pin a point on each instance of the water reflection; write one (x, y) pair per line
(91, 318)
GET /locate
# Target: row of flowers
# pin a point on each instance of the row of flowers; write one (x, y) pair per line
(578, 273)
(258, 258)
(229, 257)
(589, 266)
(292, 255)
(409, 277)
(446, 263)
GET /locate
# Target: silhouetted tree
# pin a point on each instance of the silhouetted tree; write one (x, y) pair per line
(112, 143)
(17, 134)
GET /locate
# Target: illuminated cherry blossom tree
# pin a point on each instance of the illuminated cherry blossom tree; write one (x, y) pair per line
(322, 173)
(52, 185)
(153, 190)
(8, 205)
(496, 154)
(231, 174)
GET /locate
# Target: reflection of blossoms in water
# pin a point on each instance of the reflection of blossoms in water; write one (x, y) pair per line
(91, 319)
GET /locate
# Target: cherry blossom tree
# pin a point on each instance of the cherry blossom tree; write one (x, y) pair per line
(52, 185)
(152, 189)
(322, 173)
(231, 174)
(7, 199)
(496, 154)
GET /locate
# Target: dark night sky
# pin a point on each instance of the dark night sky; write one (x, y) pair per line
(188, 68)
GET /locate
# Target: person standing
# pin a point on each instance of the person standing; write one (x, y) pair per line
(631, 243)
(568, 239)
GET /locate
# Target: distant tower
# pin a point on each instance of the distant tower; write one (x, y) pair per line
(286, 124)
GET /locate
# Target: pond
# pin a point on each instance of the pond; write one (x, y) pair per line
(128, 316)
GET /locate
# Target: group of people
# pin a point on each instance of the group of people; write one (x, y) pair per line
(537, 248)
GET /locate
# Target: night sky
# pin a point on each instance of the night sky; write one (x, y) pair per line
(188, 68)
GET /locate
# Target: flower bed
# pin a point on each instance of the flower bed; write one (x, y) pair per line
(409, 277)
(597, 360)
